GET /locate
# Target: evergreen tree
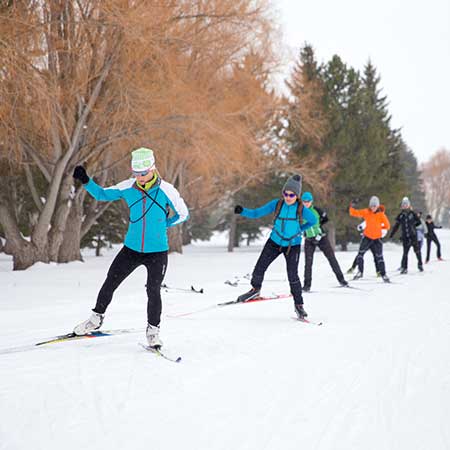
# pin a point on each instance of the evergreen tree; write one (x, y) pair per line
(306, 121)
(369, 155)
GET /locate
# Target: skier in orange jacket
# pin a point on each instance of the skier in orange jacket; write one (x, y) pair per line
(377, 225)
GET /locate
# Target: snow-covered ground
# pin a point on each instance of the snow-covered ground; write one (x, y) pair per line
(375, 376)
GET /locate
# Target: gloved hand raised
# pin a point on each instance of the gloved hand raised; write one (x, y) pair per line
(80, 174)
(238, 209)
(354, 203)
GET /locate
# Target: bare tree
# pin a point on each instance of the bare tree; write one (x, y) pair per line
(85, 81)
(436, 178)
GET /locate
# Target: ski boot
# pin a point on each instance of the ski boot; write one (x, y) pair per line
(420, 267)
(153, 339)
(358, 275)
(306, 288)
(251, 294)
(88, 326)
(403, 270)
(343, 283)
(301, 313)
(385, 278)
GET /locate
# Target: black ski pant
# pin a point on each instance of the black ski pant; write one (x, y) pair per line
(325, 246)
(438, 245)
(407, 244)
(124, 263)
(355, 262)
(376, 247)
(269, 253)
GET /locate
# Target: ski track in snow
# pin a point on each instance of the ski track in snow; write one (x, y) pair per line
(375, 376)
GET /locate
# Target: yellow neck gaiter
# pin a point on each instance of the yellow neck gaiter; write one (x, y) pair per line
(149, 184)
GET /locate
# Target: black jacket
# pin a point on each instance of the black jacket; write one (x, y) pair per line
(408, 220)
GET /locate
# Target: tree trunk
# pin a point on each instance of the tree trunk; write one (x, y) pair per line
(8, 249)
(232, 234)
(26, 255)
(175, 239)
(63, 210)
(187, 235)
(69, 250)
(98, 246)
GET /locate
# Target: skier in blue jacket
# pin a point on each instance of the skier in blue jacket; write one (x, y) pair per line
(290, 221)
(150, 200)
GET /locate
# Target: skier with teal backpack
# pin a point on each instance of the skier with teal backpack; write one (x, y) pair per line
(316, 237)
(291, 219)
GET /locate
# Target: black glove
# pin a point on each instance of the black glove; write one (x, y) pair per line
(238, 209)
(354, 202)
(80, 174)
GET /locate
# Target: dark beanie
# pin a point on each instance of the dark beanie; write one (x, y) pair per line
(294, 184)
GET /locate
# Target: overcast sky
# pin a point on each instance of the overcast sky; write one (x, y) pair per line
(407, 40)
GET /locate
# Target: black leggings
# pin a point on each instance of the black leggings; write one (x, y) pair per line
(292, 255)
(438, 245)
(376, 247)
(124, 263)
(325, 246)
(407, 244)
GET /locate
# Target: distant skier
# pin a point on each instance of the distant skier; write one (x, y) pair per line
(421, 230)
(291, 219)
(149, 199)
(377, 224)
(316, 237)
(431, 237)
(408, 221)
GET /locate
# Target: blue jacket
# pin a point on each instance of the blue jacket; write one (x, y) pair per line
(149, 212)
(283, 230)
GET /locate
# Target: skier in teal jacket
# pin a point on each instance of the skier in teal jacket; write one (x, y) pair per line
(150, 200)
(290, 221)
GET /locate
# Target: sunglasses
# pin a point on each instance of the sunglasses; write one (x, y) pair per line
(141, 174)
(289, 194)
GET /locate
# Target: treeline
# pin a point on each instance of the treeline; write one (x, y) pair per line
(337, 118)
(85, 82)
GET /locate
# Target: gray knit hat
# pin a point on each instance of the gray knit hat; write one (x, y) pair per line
(405, 202)
(294, 184)
(374, 201)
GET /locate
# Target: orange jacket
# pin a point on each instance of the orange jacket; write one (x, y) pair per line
(375, 221)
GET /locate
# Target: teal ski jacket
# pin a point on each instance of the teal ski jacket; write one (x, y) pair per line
(149, 212)
(287, 230)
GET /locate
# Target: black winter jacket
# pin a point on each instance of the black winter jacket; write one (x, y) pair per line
(408, 220)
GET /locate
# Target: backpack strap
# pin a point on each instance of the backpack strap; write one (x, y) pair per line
(300, 211)
(277, 210)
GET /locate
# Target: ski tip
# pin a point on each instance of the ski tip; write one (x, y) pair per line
(318, 324)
